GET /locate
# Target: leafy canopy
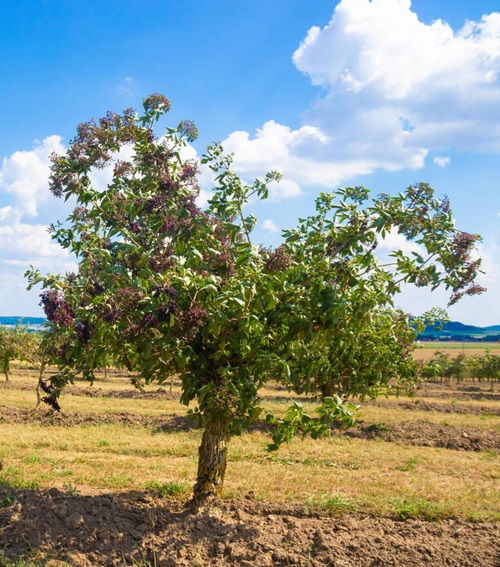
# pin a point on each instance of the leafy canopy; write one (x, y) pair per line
(163, 287)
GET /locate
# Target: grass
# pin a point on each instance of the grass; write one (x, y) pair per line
(376, 415)
(166, 489)
(446, 345)
(416, 507)
(335, 504)
(410, 465)
(337, 475)
(364, 472)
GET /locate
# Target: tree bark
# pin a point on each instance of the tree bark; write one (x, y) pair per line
(40, 377)
(327, 390)
(212, 458)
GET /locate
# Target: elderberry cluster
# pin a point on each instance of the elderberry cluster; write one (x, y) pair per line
(278, 260)
(56, 308)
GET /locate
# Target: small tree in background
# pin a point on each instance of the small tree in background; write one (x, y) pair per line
(366, 354)
(164, 287)
(485, 367)
(10, 347)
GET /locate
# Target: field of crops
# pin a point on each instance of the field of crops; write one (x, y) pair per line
(105, 482)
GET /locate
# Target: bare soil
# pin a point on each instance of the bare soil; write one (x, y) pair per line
(92, 392)
(422, 405)
(120, 528)
(461, 391)
(426, 434)
(418, 432)
(165, 422)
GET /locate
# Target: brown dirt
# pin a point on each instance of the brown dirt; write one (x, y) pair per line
(91, 392)
(419, 432)
(111, 530)
(456, 391)
(426, 434)
(171, 422)
(422, 405)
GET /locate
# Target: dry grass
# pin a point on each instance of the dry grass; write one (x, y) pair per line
(426, 350)
(371, 475)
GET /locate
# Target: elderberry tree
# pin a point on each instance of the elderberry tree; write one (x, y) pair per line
(164, 287)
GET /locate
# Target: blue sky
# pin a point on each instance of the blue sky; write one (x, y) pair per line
(379, 93)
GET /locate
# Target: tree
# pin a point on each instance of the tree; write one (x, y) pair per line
(361, 355)
(486, 366)
(9, 347)
(165, 287)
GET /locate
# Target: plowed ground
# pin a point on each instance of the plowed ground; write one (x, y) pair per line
(106, 482)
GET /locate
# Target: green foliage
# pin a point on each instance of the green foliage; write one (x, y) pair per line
(378, 428)
(333, 412)
(419, 508)
(444, 366)
(8, 501)
(336, 504)
(166, 488)
(410, 465)
(13, 478)
(163, 287)
(10, 347)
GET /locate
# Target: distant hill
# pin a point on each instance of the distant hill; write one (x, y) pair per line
(451, 331)
(31, 322)
(456, 331)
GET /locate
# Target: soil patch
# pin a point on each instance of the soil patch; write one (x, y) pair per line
(459, 391)
(165, 423)
(91, 392)
(107, 529)
(422, 405)
(426, 434)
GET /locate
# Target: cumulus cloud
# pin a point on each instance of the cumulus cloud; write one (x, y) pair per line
(393, 89)
(270, 226)
(481, 310)
(24, 174)
(395, 241)
(442, 161)
(28, 240)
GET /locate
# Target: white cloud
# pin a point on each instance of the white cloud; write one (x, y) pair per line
(102, 177)
(31, 240)
(269, 225)
(442, 161)
(299, 155)
(24, 174)
(481, 310)
(396, 241)
(394, 89)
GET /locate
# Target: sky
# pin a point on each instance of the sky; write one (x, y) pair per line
(383, 93)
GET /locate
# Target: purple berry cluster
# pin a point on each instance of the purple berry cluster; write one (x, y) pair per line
(278, 260)
(57, 309)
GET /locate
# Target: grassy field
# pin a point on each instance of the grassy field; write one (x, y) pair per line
(425, 349)
(445, 345)
(341, 473)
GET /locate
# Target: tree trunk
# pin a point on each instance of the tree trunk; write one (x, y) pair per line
(40, 378)
(211, 460)
(327, 390)
(6, 372)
